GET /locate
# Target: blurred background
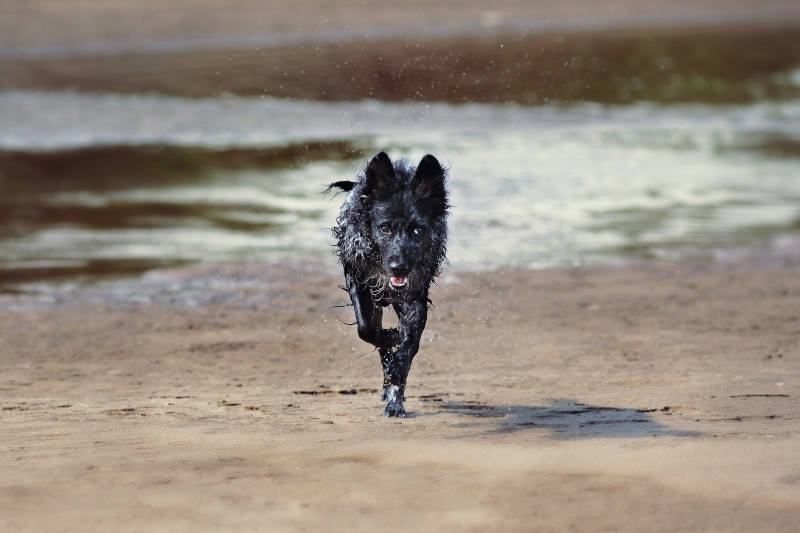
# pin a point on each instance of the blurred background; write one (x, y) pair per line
(143, 134)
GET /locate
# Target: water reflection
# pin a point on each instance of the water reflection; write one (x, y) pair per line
(119, 210)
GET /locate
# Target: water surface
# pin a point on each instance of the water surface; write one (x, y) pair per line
(636, 147)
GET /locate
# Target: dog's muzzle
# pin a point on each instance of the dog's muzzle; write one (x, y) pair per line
(398, 282)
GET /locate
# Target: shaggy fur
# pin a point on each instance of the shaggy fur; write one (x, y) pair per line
(391, 234)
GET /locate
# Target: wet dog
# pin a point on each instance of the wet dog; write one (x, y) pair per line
(391, 234)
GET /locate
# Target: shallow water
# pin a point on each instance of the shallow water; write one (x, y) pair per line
(104, 184)
(606, 148)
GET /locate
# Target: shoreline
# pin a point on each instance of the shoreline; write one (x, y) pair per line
(198, 285)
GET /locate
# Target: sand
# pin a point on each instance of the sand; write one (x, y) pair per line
(643, 397)
(655, 396)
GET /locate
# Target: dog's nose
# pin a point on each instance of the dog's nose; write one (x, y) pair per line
(398, 268)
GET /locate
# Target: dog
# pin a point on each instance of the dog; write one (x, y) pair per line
(391, 237)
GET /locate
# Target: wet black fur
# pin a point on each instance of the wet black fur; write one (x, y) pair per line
(393, 223)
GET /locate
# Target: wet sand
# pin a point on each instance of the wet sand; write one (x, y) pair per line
(654, 396)
(659, 397)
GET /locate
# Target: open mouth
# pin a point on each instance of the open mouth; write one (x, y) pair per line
(398, 282)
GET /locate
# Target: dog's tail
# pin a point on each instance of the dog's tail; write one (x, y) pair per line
(343, 185)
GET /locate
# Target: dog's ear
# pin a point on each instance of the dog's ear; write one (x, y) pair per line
(428, 181)
(380, 174)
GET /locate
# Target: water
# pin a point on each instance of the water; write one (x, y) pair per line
(667, 158)
(119, 183)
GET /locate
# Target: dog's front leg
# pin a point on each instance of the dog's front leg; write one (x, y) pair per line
(412, 317)
(369, 316)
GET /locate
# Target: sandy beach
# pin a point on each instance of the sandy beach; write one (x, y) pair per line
(659, 397)
(651, 396)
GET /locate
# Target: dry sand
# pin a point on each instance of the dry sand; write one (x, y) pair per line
(651, 397)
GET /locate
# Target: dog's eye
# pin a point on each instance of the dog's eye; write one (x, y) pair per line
(417, 231)
(385, 229)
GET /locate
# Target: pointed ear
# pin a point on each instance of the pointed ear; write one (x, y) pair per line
(428, 180)
(380, 174)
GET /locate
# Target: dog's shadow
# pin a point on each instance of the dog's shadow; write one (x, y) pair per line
(564, 419)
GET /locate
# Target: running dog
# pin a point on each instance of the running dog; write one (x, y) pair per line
(391, 234)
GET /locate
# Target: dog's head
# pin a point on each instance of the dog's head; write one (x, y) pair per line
(407, 208)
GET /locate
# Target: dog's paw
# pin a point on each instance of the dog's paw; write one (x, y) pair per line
(393, 394)
(394, 410)
(393, 335)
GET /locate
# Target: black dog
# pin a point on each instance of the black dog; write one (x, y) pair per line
(391, 234)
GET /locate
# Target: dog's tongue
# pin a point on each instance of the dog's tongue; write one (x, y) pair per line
(398, 282)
